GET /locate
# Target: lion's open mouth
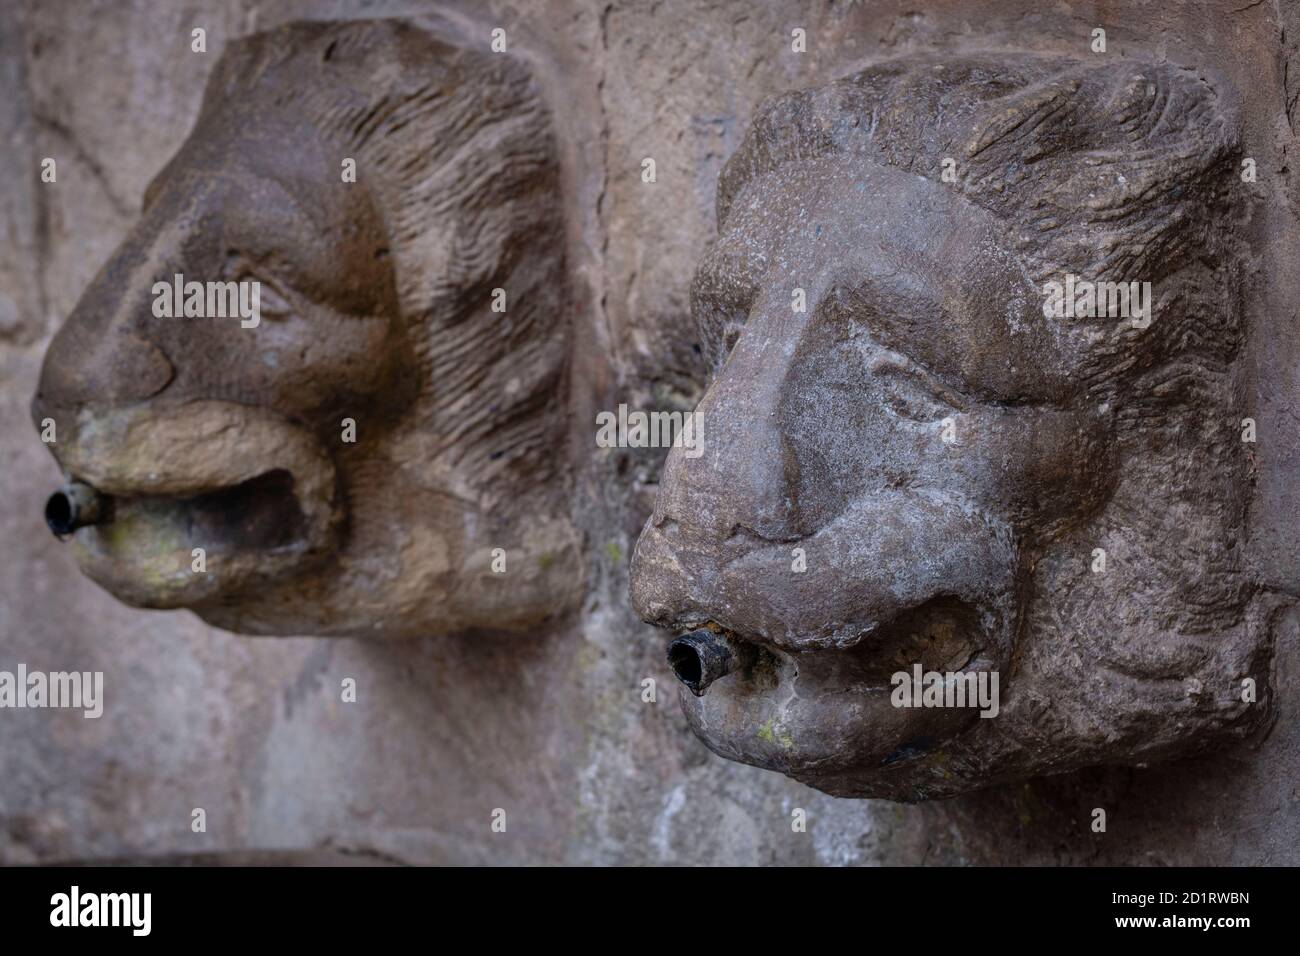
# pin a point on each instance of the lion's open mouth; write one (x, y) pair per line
(260, 514)
(156, 550)
(802, 707)
(944, 634)
(195, 505)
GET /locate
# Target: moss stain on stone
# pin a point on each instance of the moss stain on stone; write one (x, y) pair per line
(774, 735)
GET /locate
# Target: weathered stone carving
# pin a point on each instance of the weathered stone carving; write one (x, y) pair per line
(949, 459)
(376, 315)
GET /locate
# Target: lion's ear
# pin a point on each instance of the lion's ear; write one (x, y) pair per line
(1109, 165)
(1145, 110)
(1123, 174)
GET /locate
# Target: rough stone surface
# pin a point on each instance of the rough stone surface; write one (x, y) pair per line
(551, 726)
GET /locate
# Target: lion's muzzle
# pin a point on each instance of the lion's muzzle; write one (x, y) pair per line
(180, 506)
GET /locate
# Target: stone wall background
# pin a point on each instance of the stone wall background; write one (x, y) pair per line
(552, 728)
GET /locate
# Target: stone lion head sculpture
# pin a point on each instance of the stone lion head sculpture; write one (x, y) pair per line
(382, 452)
(922, 467)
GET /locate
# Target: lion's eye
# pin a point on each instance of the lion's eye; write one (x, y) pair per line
(722, 295)
(272, 304)
(908, 396)
(720, 328)
(727, 338)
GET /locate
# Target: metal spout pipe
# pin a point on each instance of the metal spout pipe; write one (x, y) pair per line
(701, 657)
(74, 506)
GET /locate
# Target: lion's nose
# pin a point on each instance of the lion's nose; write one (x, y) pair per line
(701, 657)
(74, 506)
(86, 366)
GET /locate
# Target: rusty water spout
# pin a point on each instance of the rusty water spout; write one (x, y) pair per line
(701, 657)
(74, 506)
